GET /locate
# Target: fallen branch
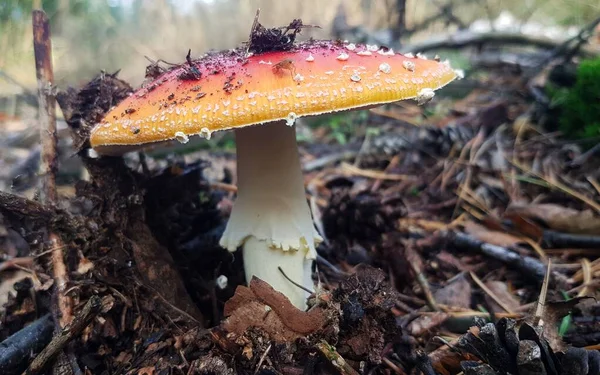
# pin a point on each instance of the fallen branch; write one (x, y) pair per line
(42, 47)
(16, 206)
(530, 267)
(16, 350)
(336, 359)
(416, 264)
(560, 240)
(60, 341)
(467, 38)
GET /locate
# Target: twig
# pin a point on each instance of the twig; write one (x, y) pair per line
(582, 37)
(328, 159)
(541, 303)
(558, 185)
(15, 351)
(293, 282)
(42, 46)
(415, 262)
(530, 266)
(336, 359)
(262, 358)
(467, 38)
(14, 205)
(59, 342)
(560, 240)
(370, 173)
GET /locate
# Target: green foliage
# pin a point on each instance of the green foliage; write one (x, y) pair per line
(566, 321)
(580, 104)
(341, 126)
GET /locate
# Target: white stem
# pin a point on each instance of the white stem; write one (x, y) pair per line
(271, 217)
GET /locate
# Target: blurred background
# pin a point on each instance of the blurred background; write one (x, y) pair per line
(93, 35)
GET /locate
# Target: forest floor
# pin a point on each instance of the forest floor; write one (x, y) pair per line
(469, 243)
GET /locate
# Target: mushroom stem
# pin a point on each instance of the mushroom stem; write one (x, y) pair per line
(271, 217)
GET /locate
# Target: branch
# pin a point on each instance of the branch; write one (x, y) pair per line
(60, 341)
(16, 350)
(567, 240)
(16, 206)
(468, 38)
(42, 46)
(529, 266)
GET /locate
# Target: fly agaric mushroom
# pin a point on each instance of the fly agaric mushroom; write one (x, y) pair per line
(270, 219)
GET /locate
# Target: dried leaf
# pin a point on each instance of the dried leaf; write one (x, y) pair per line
(500, 290)
(146, 370)
(455, 294)
(490, 236)
(85, 265)
(553, 312)
(560, 218)
(425, 323)
(261, 306)
(7, 281)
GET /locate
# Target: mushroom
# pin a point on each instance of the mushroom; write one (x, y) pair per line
(270, 219)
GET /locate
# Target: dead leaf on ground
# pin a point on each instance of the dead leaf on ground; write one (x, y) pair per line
(455, 294)
(261, 306)
(493, 237)
(146, 370)
(553, 312)
(424, 323)
(560, 218)
(85, 265)
(500, 290)
(7, 281)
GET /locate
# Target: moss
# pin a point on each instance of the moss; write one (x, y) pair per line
(580, 104)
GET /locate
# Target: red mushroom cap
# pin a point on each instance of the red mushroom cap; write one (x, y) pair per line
(228, 90)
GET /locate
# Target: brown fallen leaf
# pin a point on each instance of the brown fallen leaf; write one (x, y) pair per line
(560, 218)
(553, 312)
(455, 294)
(493, 237)
(424, 323)
(84, 266)
(146, 370)
(261, 306)
(500, 290)
(7, 281)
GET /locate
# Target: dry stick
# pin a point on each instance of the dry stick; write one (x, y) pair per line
(42, 47)
(47, 105)
(415, 262)
(531, 267)
(336, 359)
(60, 341)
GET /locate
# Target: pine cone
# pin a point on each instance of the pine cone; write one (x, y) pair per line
(510, 349)
(355, 220)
